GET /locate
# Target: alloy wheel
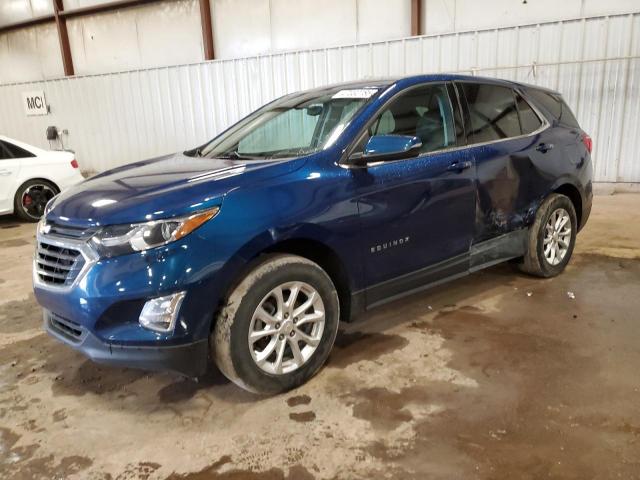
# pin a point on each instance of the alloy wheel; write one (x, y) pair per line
(557, 236)
(35, 198)
(286, 328)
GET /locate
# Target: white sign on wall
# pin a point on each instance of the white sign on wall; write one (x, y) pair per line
(34, 103)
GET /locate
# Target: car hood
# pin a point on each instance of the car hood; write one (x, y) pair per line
(162, 187)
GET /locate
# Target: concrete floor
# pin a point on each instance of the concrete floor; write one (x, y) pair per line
(495, 376)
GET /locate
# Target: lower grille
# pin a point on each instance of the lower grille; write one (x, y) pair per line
(57, 265)
(68, 329)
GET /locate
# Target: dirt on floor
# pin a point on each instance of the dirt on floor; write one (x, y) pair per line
(495, 376)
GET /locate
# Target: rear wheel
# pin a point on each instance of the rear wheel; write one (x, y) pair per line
(278, 326)
(32, 197)
(552, 237)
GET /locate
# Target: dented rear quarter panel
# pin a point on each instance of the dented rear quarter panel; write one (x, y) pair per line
(513, 177)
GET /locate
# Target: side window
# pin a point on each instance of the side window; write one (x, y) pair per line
(492, 112)
(385, 124)
(528, 118)
(15, 151)
(424, 112)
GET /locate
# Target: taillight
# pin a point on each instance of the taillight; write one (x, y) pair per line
(74, 163)
(588, 143)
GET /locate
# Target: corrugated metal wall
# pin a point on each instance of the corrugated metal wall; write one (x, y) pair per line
(122, 117)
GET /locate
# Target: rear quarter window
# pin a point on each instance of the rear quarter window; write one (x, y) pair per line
(556, 106)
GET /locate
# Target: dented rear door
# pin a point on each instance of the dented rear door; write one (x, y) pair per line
(513, 166)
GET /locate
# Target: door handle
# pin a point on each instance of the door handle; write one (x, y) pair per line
(459, 166)
(544, 147)
(4, 172)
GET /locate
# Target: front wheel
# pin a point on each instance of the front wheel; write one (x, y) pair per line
(552, 237)
(278, 325)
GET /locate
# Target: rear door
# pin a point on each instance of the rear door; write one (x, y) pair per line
(508, 142)
(417, 214)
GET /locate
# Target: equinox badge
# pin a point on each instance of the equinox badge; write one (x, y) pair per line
(390, 244)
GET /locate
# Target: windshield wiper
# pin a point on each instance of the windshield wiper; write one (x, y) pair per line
(293, 152)
(234, 155)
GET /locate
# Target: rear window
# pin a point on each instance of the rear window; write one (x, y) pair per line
(556, 106)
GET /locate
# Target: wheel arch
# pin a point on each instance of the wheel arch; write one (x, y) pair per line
(312, 249)
(571, 191)
(36, 179)
(328, 259)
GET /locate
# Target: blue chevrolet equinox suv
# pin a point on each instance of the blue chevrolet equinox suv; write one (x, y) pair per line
(248, 250)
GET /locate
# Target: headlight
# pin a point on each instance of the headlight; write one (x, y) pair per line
(122, 239)
(43, 227)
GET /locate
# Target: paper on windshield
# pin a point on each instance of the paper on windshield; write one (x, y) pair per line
(355, 93)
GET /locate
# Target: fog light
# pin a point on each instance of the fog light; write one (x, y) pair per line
(160, 314)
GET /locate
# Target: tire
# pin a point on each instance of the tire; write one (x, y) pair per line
(42, 191)
(247, 364)
(539, 260)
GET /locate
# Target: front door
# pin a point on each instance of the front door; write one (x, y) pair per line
(417, 215)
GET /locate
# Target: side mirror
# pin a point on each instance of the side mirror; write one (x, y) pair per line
(315, 110)
(383, 148)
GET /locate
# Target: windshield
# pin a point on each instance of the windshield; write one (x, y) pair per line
(296, 125)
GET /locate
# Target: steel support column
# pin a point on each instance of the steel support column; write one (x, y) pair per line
(416, 17)
(63, 37)
(207, 30)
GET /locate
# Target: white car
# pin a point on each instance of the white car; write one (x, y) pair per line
(30, 177)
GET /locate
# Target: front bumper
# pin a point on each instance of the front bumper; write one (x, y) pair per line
(99, 306)
(189, 359)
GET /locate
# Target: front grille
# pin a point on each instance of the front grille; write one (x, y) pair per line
(57, 265)
(68, 329)
(70, 232)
